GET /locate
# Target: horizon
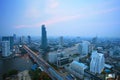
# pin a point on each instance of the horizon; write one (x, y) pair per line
(68, 18)
(81, 37)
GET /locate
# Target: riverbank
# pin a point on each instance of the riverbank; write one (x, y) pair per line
(20, 63)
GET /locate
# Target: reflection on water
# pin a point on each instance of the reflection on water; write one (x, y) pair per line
(19, 63)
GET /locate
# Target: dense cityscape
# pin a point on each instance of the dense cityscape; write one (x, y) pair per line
(59, 58)
(59, 39)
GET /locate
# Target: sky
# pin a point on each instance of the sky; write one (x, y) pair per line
(86, 18)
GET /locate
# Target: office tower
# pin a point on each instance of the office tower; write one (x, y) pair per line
(79, 48)
(94, 40)
(10, 39)
(97, 62)
(23, 39)
(85, 47)
(5, 48)
(61, 41)
(20, 40)
(44, 37)
(14, 37)
(29, 39)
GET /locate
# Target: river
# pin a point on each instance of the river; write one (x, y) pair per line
(18, 63)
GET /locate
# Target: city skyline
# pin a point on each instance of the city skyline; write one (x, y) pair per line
(68, 18)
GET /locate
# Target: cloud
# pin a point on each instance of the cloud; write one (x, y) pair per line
(55, 14)
(35, 9)
(52, 8)
(77, 16)
(33, 13)
(50, 21)
(52, 4)
(32, 9)
(61, 19)
(106, 11)
(55, 20)
(22, 26)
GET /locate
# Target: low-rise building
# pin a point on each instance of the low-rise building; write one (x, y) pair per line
(78, 67)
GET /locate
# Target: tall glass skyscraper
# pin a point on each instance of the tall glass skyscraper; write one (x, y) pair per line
(29, 39)
(5, 48)
(44, 37)
(10, 39)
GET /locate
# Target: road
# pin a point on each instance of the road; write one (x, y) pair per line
(44, 65)
(91, 75)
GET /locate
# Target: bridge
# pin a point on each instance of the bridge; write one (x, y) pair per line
(44, 65)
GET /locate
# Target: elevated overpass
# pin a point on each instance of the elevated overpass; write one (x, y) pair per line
(44, 65)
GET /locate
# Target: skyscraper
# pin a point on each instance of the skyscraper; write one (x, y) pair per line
(97, 62)
(61, 41)
(29, 39)
(83, 48)
(10, 39)
(14, 37)
(5, 48)
(44, 37)
(22, 39)
(94, 40)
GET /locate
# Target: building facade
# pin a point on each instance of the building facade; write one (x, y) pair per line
(44, 37)
(97, 62)
(52, 57)
(29, 39)
(10, 39)
(62, 61)
(5, 48)
(84, 47)
(14, 38)
(61, 42)
(78, 67)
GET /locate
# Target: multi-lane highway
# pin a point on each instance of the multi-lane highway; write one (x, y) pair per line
(87, 73)
(44, 65)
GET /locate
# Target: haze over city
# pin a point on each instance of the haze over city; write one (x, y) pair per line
(61, 18)
(59, 39)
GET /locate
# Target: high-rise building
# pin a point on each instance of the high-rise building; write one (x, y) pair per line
(79, 48)
(85, 47)
(29, 39)
(10, 39)
(94, 40)
(20, 40)
(44, 37)
(97, 62)
(23, 39)
(61, 41)
(5, 48)
(14, 37)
